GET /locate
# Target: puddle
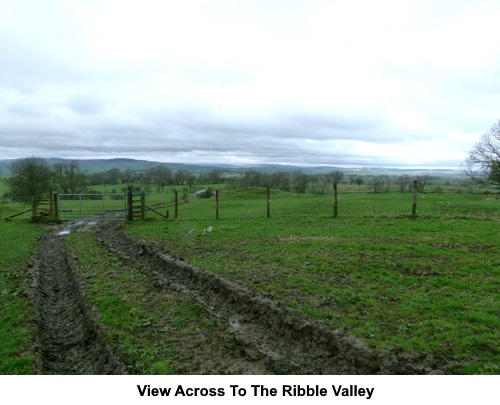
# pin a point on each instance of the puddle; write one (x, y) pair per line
(89, 223)
(78, 226)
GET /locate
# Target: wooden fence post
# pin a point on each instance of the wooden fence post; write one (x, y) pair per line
(33, 206)
(56, 207)
(335, 200)
(414, 207)
(216, 205)
(130, 214)
(51, 206)
(143, 206)
(268, 203)
(176, 205)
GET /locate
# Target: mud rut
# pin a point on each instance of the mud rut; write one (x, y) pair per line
(269, 334)
(69, 342)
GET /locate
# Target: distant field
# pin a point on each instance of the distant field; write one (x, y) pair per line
(430, 283)
(8, 208)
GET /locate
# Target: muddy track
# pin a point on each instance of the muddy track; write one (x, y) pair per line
(267, 331)
(69, 341)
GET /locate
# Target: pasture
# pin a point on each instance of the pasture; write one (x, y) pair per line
(429, 283)
(17, 242)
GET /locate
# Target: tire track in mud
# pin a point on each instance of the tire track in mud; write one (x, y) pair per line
(69, 341)
(267, 331)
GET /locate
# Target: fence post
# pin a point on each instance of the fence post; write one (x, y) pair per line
(414, 207)
(129, 203)
(33, 206)
(176, 205)
(51, 206)
(335, 200)
(216, 205)
(143, 206)
(56, 206)
(268, 203)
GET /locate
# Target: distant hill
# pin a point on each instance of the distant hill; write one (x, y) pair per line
(123, 164)
(102, 165)
(4, 167)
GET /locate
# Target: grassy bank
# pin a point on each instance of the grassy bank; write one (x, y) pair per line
(17, 241)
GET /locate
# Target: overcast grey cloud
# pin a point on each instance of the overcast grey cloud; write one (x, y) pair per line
(386, 83)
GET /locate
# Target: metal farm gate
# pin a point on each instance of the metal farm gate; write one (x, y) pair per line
(103, 206)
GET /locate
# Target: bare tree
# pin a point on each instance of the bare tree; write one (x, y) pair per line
(357, 179)
(112, 176)
(422, 182)
(377, 183)
(280, 180)
(161, 175)
(483, 163)
(214, 176)
(30, 178)
(299, 181)
(180, 176)
(403, 182)
(319, 183)
(190, 180)
(335, 177)
(68, 176)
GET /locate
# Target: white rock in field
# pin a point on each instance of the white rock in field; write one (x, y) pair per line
(205, 193)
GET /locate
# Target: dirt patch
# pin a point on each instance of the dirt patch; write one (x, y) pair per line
(298, 239)
(266, 330)
(471, 247)
(69, 341)
(155, 330)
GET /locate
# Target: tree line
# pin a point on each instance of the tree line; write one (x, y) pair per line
(156, 178)
(300, 182)
(32, 178)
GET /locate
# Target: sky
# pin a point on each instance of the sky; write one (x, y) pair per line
(342, 83)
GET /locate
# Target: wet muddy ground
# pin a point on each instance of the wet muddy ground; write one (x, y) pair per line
(260, 336)
(69, 341)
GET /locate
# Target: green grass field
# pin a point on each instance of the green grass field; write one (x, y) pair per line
(429, 283)
(17, 241)
(10, 208)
